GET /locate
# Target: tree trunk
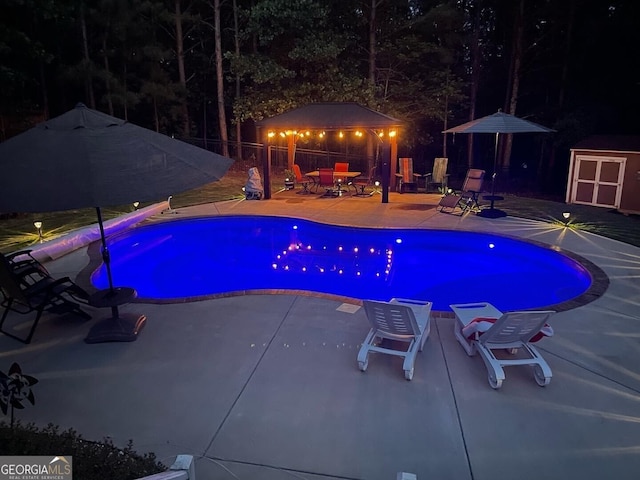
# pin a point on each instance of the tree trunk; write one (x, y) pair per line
(125, 87)
(476, 55)
(182, 77)
(156, 118)
(88, 80)
(107, 77)
(516, 63)
(372, 73)
(236, 32)
(372, 42)
(564, 77)
(222, 117)
(43, 89)
(446, 115)
(567, 54)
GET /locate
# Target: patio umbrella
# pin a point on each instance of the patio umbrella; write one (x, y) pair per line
(498, 123)
(85, 158)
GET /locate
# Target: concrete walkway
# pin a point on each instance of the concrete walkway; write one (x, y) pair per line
(267, 386)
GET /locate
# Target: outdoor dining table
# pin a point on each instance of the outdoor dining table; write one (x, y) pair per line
(315, 175)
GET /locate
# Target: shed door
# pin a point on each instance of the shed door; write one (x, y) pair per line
(598, 181)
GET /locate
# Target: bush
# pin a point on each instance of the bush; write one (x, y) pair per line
(91, 460)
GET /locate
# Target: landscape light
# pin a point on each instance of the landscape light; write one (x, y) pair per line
(38, 226)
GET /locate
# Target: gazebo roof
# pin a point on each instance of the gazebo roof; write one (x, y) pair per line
(330, 116)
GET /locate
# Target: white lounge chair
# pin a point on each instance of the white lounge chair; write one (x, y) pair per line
(482, 328)
(400, 320)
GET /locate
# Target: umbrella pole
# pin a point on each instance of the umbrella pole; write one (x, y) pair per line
(117, 328)
(492, 212)
(105, 250)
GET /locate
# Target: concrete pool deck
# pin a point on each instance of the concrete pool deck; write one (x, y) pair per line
(267, 386)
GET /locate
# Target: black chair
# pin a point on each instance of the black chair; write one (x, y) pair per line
(361, 184)
(467, 199)
(27, 289)
(23, 262)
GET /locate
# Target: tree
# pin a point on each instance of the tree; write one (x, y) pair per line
(222, 115)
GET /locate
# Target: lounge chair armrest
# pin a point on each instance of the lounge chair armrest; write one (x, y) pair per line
(418, 306)
(24, 268)
(53, 288)
(19, 253)
(410, 301)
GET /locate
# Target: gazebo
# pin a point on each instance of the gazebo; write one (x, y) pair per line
(331, 117)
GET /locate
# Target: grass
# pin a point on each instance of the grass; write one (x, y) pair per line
(19, 232)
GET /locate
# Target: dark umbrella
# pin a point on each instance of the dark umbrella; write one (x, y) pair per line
(85, 158)
(498, 123)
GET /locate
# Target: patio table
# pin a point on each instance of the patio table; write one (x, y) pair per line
(314, 175)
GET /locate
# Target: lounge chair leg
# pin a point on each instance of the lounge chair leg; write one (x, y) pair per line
(26, 340)
(495, 371)
(468, 345)
(363, 359)
(494, 380)
(542, 375)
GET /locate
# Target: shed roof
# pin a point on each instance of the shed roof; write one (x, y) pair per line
(330, 116)
(613, 143)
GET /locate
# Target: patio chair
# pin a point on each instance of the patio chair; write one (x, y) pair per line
(407, 181)
(326, 181)
(24, 265)
(341, 167)
(438, 177)
(399, 320)
(482, 328)
(360, 184)
(44, 294)
(339, 181)
(467, 199)
(302, 180)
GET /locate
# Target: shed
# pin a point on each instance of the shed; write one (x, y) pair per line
(604, 171)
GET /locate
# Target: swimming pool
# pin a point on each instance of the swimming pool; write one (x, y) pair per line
(202, 257)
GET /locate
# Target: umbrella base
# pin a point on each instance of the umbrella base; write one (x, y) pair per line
(123, 328)
(492, 213)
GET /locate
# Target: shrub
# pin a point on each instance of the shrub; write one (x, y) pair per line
(91, 460)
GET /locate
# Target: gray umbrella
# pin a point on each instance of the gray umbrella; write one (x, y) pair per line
(85, 158)
(498, 123)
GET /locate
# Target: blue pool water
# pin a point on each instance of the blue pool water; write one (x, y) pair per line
(198, 257)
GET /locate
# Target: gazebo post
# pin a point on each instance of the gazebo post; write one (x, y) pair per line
(291, 150)
(385, 156)
(266, 162)
(393, 142)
